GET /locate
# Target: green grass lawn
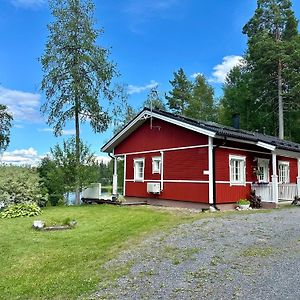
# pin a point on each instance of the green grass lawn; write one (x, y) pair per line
(67, 264)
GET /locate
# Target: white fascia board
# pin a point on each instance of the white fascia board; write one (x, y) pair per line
(287, 153)
(130, 125)
(183, 124)
(266, 146)
(148, 114)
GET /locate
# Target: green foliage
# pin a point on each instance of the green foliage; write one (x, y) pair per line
(237, 100)
(201, 105)
(154, 100)
(65, 158)
(269, 74)
(53, 178)
(26, 209)
(243, 202)
(180, 95)
(5, 125)
(21, 184)
(65, 171)
(76, 70)
(192, 99)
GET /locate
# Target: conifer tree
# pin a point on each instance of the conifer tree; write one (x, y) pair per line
(272, 40)
(180, 95)
(77, 72)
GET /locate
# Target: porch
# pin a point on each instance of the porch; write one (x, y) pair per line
(285, 191)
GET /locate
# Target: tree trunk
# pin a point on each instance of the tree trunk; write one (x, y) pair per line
(280, 102)
(77, 141)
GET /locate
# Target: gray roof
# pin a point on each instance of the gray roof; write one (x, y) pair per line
(226, 131)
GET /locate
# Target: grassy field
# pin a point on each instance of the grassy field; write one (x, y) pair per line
(67, 264)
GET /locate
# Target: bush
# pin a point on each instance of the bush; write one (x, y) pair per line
(243, 202)
(21, 184)
(255, 201)
(26, 209)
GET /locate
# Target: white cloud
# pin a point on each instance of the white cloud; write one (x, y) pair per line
(23, 105)
(28, 3)
(220, 71)
(135, 89)
(64, 132)
(21, 157)
(195, 75)
(18, 126)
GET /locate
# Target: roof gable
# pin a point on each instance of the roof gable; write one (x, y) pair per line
(207, 128)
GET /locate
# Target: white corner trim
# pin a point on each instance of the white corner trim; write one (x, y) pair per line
(210, 169)
(266, 146)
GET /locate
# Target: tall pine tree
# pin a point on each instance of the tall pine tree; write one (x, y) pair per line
(180, 95)
(201, 105)
(76, 71)
(272, 41)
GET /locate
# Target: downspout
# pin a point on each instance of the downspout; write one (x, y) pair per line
(215, 147)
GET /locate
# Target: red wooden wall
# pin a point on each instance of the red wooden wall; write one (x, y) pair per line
(186, 166)
(162, 135)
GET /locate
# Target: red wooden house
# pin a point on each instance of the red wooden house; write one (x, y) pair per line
(174, 160)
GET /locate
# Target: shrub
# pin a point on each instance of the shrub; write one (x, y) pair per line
(26, 209)
(243, 202)
(21, 184)
(255, 201)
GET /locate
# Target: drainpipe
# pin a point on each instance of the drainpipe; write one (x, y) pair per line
(214, 173)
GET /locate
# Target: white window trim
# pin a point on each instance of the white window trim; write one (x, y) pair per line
(137, 160)
(264, 162)
(154, 159)
(284, 163)
(240, 158)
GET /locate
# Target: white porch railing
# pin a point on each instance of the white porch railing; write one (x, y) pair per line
(264, 191)
(286, 191)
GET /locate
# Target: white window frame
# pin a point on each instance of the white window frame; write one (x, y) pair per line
(263, 163)
(136, 163)
(156, 165)
(283, 171)
(241, 161)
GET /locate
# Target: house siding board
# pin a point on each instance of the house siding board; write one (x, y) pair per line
(189, 192)
(293, 167)
(186, 164)
(226, 193)
(163, 135)
(231, 194)
(222, 163)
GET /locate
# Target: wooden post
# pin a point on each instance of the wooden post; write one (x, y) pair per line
(298, 179)
(210, 171)
(274, 179)
(115, 178)
(124, 183)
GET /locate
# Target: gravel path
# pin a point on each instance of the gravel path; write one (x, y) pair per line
(237, 256)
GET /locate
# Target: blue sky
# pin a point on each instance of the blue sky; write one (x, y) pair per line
(149, 40)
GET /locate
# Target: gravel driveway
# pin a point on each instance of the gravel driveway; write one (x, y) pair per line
(236, 256)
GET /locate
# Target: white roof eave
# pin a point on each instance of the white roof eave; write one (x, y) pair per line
(144, 115)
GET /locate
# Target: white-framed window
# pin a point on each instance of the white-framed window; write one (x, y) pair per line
(237, 169)
(283, 171)
(156, 165)
(139, 167)
(263, 170)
